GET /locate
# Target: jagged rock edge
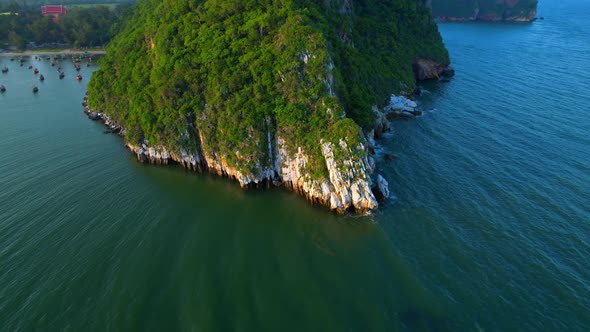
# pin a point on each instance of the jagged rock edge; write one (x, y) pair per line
(341, 192)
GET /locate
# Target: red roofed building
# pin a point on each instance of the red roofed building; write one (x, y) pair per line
(53, 10)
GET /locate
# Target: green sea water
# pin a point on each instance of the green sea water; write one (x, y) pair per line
(489, 228)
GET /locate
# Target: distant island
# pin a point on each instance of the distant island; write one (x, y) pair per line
(287, 93)
(26, 26)
(484, 10)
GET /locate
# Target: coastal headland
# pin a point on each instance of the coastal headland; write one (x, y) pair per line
(289, 97)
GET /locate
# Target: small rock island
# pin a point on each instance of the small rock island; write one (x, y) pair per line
(286, 92)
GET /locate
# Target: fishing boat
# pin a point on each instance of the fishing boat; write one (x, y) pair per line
(61, 75)
(78, 77)
(4, 70)
(35, 71)
(35, 89)
(41, 78)
(2, 88)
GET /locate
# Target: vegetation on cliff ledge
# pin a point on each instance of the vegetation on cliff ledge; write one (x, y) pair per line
(229, 77)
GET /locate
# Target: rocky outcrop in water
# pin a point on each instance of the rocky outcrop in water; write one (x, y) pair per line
(428, 69)
(401, 107)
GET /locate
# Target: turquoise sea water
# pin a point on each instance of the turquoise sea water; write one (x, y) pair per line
(489, 230)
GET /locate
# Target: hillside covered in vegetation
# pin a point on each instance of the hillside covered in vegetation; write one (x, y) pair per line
(264, 91)
(484, 10)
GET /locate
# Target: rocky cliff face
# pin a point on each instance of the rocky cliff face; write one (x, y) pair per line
(484, 10)
(428, 69)
(348, 187)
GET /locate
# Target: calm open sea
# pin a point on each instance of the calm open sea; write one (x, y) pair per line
(490, 229)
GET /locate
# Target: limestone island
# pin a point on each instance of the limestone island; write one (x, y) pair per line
(288, 93)
(484, 10)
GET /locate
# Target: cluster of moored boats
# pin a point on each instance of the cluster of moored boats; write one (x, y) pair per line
(55, 61)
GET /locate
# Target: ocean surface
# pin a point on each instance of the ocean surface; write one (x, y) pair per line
(489, 230)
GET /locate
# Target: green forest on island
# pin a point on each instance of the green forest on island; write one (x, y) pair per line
(236, 72)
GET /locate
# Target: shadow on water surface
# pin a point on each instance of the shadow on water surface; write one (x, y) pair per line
(337, 272)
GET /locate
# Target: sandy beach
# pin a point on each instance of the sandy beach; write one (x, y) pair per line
(56, 52)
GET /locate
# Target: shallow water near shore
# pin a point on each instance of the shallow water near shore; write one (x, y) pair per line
(489, 230)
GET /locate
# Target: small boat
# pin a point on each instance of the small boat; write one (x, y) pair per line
(41, 78)
(35, 89)
(79, 77)
(30, 67)
(11, 59)
(4, 70)
(35, 71)
(61, 75)
(2, 88)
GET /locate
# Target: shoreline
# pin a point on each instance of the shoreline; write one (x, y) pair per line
(365, 196)
(56, 52)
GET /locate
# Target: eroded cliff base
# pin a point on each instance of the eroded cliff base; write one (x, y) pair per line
(348, 187)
